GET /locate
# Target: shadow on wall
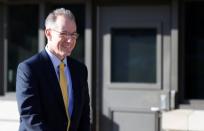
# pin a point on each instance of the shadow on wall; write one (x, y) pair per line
(107, 124)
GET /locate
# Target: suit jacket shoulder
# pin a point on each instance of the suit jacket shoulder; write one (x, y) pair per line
(77, 68)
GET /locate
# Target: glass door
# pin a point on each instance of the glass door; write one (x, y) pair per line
(194, 50)
(22, 37)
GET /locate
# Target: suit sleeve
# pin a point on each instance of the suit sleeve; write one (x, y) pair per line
(28, 100)
(85, 119)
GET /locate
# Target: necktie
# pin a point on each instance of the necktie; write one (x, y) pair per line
(63, 86)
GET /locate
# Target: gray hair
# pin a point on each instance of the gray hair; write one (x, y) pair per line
(51, 18)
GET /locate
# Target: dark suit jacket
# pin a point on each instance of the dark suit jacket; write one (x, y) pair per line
(39, 97)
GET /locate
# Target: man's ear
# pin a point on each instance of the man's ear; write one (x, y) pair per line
(48, 34)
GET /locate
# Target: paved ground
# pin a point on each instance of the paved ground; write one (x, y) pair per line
(9, 118)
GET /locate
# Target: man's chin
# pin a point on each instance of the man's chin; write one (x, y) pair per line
(67, 54)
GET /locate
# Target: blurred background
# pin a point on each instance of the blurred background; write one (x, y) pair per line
(145, 60)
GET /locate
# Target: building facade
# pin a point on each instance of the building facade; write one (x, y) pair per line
(144, 57)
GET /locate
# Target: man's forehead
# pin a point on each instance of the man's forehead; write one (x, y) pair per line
(66, 27)
(63, 18)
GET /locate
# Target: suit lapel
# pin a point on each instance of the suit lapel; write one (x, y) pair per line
(76, 89)
(53, 80)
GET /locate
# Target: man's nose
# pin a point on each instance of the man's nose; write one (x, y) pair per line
(69, 39)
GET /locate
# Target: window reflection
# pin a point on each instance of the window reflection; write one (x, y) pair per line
(133, 55)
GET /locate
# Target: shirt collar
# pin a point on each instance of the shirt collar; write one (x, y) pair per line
(56, 61)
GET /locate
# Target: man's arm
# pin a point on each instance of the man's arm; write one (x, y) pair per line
(28, 100)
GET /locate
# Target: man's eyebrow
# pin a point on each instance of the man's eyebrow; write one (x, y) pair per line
(68, 32)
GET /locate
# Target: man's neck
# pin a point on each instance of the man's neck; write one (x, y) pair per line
(54, 53)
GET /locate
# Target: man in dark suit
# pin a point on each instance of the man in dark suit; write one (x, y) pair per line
(51, 88)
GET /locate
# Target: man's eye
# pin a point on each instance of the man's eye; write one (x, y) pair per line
(64, 34)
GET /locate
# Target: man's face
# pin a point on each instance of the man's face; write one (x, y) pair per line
(63, 37)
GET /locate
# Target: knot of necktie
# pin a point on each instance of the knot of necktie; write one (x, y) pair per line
(62, 65)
